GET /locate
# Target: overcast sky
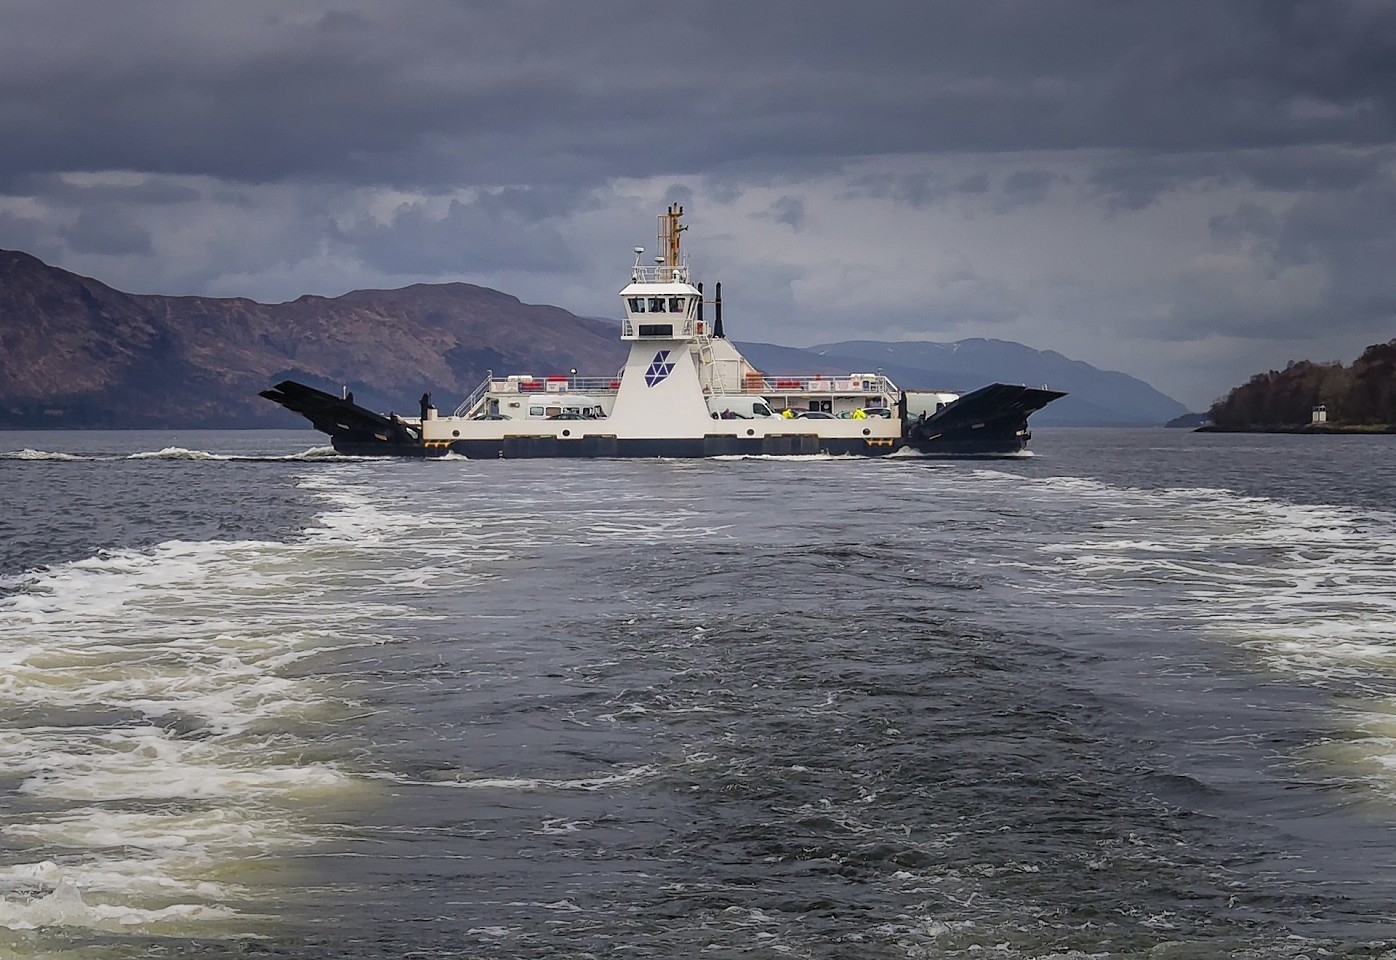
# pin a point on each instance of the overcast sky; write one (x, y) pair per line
(1190, 191)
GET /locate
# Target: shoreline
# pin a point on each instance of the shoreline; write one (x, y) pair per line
(1384, 429)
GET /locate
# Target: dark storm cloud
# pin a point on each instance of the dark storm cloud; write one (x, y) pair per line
(1009, 192)
(1355, 229)
(975, 183)
(1025, 188)
(64, 191)
(420, 92)
(1246, 227)
(1350, 235)
(1344, 239)
(1312, 169)
(915, 190)
(787, 210)
(28, 234)
(106, 229)
(1134, 180)
(512, 230)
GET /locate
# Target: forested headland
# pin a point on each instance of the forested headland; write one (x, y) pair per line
(1357, 397)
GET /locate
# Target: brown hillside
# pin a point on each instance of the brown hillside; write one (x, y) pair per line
(76, 353)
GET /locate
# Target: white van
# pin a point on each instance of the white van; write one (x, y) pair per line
(740, 408)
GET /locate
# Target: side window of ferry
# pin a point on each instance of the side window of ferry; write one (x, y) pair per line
(535, 411)
(676, 304)
(656, 304)
(637, 304)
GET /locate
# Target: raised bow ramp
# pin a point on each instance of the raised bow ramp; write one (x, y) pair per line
(348, 425)
(992, 420)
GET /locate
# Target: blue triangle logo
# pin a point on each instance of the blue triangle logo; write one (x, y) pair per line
(660, 367)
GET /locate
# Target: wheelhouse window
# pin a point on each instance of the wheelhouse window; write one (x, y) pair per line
(637, 304)
(676, 304)
(657, 305)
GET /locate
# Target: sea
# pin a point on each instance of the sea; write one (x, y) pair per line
(1130, 696)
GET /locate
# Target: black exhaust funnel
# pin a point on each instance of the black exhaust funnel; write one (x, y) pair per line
(717, 310)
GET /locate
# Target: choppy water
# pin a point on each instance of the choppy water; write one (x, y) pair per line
(1134, 696)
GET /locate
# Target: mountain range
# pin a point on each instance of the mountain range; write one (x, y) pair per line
(77, 353)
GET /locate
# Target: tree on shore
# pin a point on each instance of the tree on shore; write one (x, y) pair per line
(1373, 393)
(1364, 393)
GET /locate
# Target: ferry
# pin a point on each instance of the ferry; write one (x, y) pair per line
(685, 391)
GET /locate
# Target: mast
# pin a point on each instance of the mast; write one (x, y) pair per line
(669, 230)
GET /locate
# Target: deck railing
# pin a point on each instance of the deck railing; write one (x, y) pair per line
(818, 383)
(659, 273)
(752, 384)
(542, 386)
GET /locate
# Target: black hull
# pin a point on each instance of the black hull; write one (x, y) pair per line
(521, 448)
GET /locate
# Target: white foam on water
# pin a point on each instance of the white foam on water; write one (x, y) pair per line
(778, 458)
(30, 454)
(553, 826)
(177, 453)
(1308, 589)
(193, 829)
(65, 906)
(316, 453)
(640, 774)
(161, 718)
(182, 453)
